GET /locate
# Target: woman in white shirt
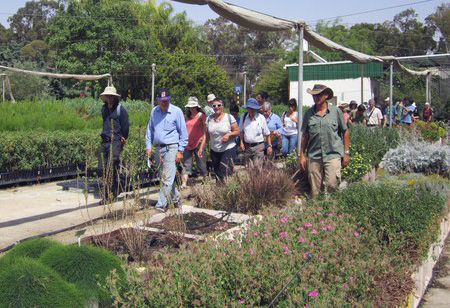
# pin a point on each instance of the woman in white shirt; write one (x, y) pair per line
(290, 132)
(221, 129)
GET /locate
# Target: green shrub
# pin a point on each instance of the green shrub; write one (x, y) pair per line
(404, 217)
(430, 131)
(28, 283)
(358, 166)
(85, 266)
(31, 248)
(376, 142)
(345, 270)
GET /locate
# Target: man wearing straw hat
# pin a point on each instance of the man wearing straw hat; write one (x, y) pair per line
(322, 127)
(114, 135)
(167, 135)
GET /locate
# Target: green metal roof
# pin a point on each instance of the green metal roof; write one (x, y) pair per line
(335, 70)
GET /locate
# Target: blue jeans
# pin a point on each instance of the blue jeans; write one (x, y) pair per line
(165, 161)
(288, 144)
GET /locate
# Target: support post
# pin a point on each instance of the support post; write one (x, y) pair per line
(300, 88)
(362, 76)
(391, 91)
(3, 89)
(245, 87)
(428, 88)
(153, 85)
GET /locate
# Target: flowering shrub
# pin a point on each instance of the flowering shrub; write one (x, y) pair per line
(430, 131)
(418, 157)
(403, 217)
(358, 165)
(348, 267)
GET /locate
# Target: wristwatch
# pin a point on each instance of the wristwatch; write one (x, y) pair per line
(347, 152)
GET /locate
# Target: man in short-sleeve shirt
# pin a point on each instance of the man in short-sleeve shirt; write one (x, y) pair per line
(322, 145)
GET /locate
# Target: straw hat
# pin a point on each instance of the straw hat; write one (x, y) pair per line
(109, 91)
(320, 88)
(192, 102)
(342, 105)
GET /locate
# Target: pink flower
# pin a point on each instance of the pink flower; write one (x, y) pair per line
(306, 306)
(241, 301)
(222, 227)
(283, 235)
(248, 226)
(250, 251)
(275, 214)
(341, 215)
(356, 233)
(301, 239)
(284, 219)
(344, 285)
(266, 227)
(306, 254)
(327, 227)
(307, 224)
(286, 250)
(266, 234)
(351, 278)
(255, 233)
(314, 231)
(329, 214)
(322, 221)
(300, 229)
(313, 293)
(318, 213)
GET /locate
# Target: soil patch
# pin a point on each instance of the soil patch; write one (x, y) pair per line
(194, 223)
(135, 244)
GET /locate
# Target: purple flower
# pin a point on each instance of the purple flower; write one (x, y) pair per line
(313, 231)
(329, 214)
(307, 224)
(356, 233)
(301, 239)
(322, 221)
(255, 233)
(283, 235)
(284, 219)
(313, 293)
(300, 229)
(286, 250)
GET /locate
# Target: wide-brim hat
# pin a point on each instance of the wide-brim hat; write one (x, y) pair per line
(320, 88)
(109, 91)
(342, 105)
(252, 103)
(387, 99)
(163, 95)
(192, 102)
(210, 98)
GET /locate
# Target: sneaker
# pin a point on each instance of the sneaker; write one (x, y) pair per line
(160, 209)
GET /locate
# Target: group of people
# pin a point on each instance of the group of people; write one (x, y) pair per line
(173, 137)
(372, 115)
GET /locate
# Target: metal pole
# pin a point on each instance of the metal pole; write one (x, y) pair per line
(300, 88)
(391, 95)
(3, 89)
(153, 85)
(362, 76)
(245, 87)
(428, 94)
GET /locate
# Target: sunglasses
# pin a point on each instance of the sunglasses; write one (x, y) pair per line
(216, 105)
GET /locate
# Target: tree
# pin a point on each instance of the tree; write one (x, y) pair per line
(440, 22)
(274, 81)
(30, 22)
(191, 74)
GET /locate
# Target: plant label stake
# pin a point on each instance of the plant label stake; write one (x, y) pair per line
(78, 234)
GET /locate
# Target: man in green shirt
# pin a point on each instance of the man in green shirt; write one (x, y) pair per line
(322, 150)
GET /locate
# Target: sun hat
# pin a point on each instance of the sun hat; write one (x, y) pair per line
(427, 104)
(192, 102)
(163, 95)
(343, 105)
(252, 103)
(210, 98)
(109, 91)
(387, 99)
(320, 88)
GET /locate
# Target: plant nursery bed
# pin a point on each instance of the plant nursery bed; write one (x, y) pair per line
(136, 244)
(194, 223)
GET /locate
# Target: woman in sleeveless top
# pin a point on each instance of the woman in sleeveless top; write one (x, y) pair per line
(290, 132)
(196, 127)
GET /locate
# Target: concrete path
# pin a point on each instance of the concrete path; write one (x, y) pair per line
(33, 210)
(438, 293)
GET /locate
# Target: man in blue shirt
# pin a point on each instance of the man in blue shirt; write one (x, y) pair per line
(407, 112)
(275, 127)
(167, 135)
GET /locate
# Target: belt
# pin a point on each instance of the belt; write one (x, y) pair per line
(163, 145)
(371, 125)
(254, 144)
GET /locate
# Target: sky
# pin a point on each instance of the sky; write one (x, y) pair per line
(310, 10)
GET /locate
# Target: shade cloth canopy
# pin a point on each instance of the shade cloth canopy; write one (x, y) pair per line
(264, 22)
